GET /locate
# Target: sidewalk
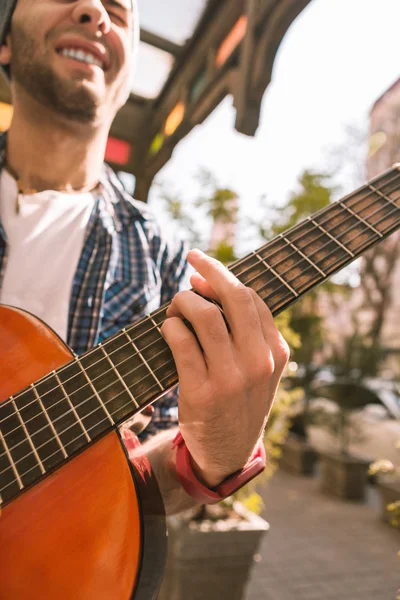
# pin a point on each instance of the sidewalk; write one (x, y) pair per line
(321, 548)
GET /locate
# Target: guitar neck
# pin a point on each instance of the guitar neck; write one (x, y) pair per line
(309, 253)
(61, 414)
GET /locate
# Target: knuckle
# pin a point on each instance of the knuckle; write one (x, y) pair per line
(169, 326)
(210, 313)
(283, 352)
(180, 341)
(242, 293)
(253, 293)
(262, 369)
(182, 296)
(215, 327)
(267, 367)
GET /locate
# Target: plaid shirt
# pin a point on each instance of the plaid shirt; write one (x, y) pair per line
(126, 269)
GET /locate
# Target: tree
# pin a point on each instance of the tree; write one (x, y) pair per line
(379, 265)
(312, 195)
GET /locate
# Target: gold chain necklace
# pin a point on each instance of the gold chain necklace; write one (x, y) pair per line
(23, 191)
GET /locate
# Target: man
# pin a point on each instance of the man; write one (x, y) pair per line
(88, 260)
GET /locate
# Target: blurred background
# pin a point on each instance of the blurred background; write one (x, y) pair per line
(245, 117)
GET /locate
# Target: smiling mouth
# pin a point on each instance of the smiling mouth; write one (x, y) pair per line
(81, 56)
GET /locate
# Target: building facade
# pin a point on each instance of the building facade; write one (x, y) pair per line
(384, 152)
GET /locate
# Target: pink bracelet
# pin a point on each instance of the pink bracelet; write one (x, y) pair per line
(204, 495)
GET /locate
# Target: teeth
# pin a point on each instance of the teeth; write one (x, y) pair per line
(82, 56)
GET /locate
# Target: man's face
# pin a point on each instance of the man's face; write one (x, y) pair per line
(73, 56)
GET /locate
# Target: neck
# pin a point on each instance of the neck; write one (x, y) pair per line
(45, 151)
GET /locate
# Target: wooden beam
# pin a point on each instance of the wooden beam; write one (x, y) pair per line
(159, 42)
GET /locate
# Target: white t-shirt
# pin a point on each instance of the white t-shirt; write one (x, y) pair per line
(45, 239)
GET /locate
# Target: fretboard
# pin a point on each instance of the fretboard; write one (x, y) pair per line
(63, 413)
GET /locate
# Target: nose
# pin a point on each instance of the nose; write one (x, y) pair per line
(93, 15)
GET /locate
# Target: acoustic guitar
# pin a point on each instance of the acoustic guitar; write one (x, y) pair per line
(79, 521)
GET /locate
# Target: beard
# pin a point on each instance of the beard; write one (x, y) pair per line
(66, 97)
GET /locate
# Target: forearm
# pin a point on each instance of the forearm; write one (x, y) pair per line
(162, 459)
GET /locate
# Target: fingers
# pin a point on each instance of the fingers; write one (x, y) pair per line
(236, 299)
(254, 344)
(209, 325)
(265, 352)
(188, 357)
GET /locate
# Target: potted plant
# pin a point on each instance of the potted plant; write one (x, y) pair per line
(387, 481)
(341, 473)
(211, 549)
(298, 455)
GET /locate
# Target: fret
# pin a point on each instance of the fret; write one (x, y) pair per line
(159, 354)
(11, 461)
(253, 273)
(17, 446)
(38, 427)
(388, 203)
(10, 484)
(52, 428)
(95, 391)
(88, 404)
(32, 445)
(162, 389)
(158, 372)
(382, 195)
(107, 384)
(360, 218)
(72, 406)
(85, 399)
(117, 372)
(319, 226)
(59, 411)
(272, 270)
(345, 227)
(290, 266)
(292, 245)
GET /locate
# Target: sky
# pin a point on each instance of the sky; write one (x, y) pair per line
(336, 59)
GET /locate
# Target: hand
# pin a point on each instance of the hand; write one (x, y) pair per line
(228, 382)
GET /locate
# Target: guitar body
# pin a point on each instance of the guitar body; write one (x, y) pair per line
(92, 530)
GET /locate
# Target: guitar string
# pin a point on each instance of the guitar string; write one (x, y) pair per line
(47, 457)
(36, 466)
(142, 365)
(334, 267)
(232, 267)
(311, 266)
(254, 279)
(242, 261)
(370, 194)
(289, 281)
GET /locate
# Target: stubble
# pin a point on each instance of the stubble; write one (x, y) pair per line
(30, 71)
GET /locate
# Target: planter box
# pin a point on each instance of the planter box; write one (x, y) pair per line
(343, 476)
(389, 490)
(211, 560)
(298, 456)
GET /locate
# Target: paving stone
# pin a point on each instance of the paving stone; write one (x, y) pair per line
(321, 548)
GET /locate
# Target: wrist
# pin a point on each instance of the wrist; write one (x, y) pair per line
(199, 488)
(211, 478)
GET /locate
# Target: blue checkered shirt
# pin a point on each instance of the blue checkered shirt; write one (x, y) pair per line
(126, 270)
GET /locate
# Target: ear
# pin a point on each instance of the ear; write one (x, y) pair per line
(5, 51)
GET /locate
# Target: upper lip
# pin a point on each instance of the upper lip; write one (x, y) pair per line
(98, 50)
